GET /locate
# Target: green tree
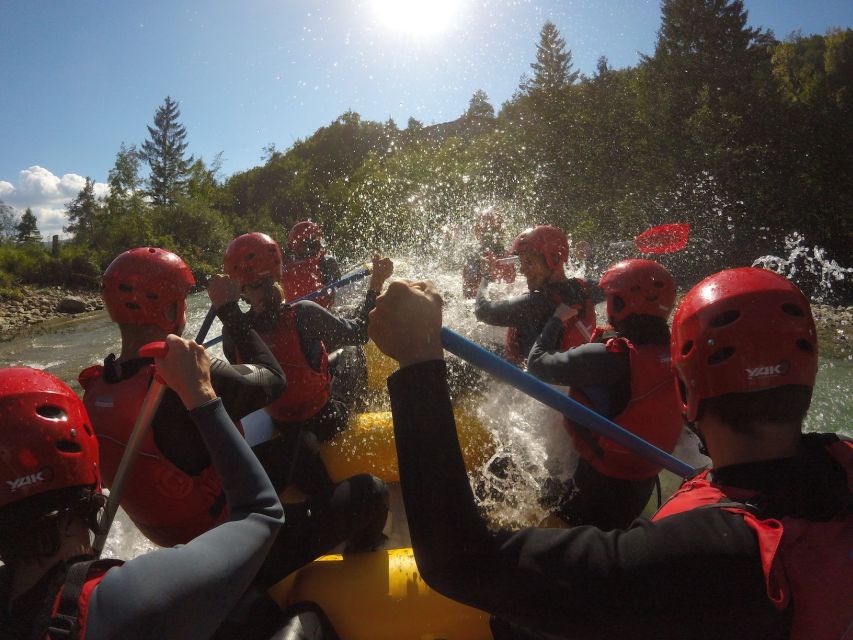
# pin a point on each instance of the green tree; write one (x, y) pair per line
(164, 153)
(479, 106)
(552, 71)
(26, 231)
(126, 222)
(82, 214)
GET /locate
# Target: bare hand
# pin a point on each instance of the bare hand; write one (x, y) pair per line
(381, 270)
(406, 323)
(186, 370)
(222, 290)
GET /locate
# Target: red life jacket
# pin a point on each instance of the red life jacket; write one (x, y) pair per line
(70, 612)
(169, 506)
(301, 277)
(308, 390)
(576, 331)
(806, 564)
(652, 413)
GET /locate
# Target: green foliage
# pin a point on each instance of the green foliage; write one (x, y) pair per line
(27, 231)
(164, 152)
(83, 214)
(75, 266)
(744, 137)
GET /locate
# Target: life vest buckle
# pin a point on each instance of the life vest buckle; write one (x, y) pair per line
(63, 626)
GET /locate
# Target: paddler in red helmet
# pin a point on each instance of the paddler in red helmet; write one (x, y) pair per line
(757, 546)
(491, 260)
(308, 265)
(542, 253)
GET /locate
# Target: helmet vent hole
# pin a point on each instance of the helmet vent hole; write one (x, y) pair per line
(51, 412)
(151, 296)
(793, 310)
(125, 287)
(721, 355)
(250, 256)
(657, 284)
(725, 318)
(682, 391)
(687, 347)
(805, 345)
(67, 446)
(132, 306)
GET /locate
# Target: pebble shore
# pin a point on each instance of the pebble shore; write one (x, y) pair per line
(40, 309)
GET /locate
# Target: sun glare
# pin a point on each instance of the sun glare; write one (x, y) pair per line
(417, 17)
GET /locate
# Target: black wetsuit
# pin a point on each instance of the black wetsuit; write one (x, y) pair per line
(529, 312)
(315, 325)
(695, 575)
(354, 510)
(185, 591)
(591, 497)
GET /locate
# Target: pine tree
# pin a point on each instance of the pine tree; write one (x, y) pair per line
(27, 229)
(164, 153)
(479, 106)
(82, 213)
(552, 71)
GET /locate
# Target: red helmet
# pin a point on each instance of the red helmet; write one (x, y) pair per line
(637, 286)
(301, 234)
(46, 438)
(549, 241)
(742, 330)
(141, 285)
(253, 257)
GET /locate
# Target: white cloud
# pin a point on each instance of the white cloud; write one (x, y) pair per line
(46, 195)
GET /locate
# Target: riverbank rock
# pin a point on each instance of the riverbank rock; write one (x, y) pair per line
(71, 304)
(36, 306)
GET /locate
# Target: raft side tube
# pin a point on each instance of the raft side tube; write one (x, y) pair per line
(381, 596)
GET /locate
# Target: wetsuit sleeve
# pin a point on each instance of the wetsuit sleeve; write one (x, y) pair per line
(186, 591)
(646, 582)
(530, 309)
(584, 366)
(316, 323)
(244, 387)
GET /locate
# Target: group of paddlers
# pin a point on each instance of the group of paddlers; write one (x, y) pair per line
(759, 545)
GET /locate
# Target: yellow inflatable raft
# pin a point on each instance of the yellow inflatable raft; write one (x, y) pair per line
(367, 446)
(380, 596)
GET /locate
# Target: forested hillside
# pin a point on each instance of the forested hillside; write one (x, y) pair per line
(746, 136)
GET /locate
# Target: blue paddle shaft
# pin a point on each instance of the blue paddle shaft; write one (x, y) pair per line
(353, 277)
(572, 409)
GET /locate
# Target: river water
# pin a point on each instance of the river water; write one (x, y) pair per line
(525, 431)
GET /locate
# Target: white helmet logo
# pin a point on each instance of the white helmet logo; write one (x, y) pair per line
(768, 370)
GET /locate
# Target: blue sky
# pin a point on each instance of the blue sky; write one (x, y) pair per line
(79, 78)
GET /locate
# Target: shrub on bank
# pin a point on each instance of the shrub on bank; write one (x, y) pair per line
(74, 266)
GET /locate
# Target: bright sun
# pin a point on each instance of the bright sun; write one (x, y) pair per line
(417, 17)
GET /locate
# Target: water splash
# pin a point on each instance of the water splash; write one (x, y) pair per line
(809, 268)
